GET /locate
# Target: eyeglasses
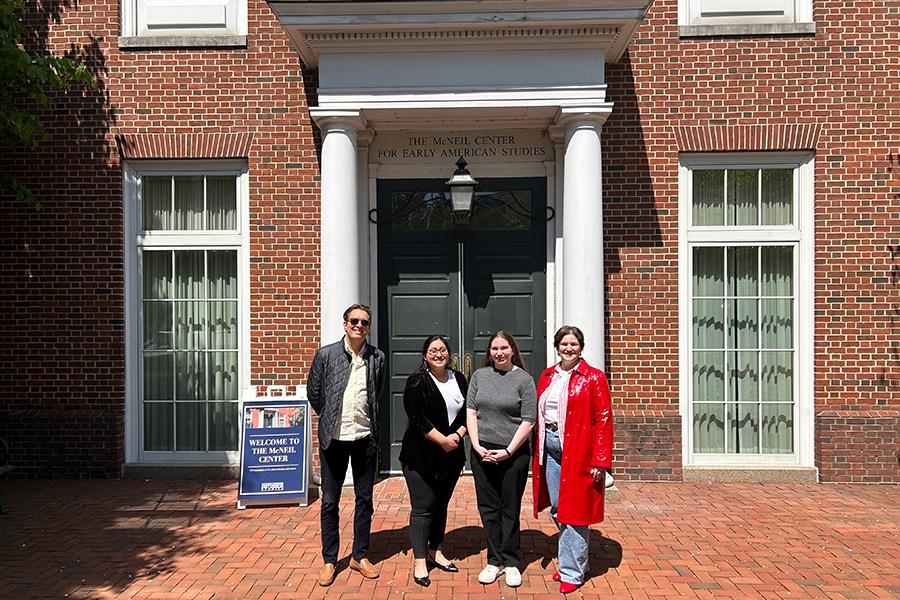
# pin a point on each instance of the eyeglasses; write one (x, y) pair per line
(437, 351)
(363, 322)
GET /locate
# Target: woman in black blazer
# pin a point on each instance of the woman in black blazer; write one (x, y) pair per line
(432, 452)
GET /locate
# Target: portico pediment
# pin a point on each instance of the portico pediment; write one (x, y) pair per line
(320, 27)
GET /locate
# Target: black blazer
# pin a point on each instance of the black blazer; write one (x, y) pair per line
(426, 409)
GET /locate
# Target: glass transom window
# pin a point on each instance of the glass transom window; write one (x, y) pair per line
(431, 211)
(188, 203)
(742, 197)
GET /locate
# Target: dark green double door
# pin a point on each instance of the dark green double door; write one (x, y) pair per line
(459, 277)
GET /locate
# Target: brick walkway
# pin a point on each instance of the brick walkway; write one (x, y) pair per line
(185, 539)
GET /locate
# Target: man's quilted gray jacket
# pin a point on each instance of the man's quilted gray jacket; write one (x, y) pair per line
(328, 379)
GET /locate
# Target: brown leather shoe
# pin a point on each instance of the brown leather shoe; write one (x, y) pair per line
(364, 568)
(327, 574)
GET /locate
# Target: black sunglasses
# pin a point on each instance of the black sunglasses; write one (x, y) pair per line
(363, 322)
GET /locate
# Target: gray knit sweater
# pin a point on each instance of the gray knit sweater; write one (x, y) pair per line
(503, 400)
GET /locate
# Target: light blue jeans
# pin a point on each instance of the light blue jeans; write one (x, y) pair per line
(573, 539)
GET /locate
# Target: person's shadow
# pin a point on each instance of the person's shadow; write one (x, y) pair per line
(537, 546)
(463, 542)
(459, 543)
(605, 554)
(387, 543)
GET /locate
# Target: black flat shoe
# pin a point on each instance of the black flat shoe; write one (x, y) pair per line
(423, 581)
(448, 568)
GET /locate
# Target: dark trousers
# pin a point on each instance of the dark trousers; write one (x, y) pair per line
(498, 489)
(429, 498)
(362, 457)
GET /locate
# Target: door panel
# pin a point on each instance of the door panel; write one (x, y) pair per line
(460, 278)
(420, 291)
(505, 289)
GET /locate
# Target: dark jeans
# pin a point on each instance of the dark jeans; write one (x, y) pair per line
(362, 456)
(429, 498)
(499, 488)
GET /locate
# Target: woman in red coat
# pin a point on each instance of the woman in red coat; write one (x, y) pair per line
(573, 452)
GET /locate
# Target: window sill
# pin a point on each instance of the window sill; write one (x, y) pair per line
(746, 29)
(182, 41)
(752, 474)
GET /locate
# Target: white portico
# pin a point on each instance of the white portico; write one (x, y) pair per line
(458, 67)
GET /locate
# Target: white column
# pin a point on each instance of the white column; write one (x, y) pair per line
(340, 269)
(582, 256)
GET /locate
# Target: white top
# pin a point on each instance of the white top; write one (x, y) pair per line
(551, 397)
(453, 397)
(354, 422)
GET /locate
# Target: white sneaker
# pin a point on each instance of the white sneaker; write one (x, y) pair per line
(609, 480)
(489, 574)
(513, 577)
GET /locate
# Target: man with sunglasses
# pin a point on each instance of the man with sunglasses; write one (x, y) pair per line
(345, 381)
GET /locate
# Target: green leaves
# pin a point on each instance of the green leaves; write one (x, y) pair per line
(27, 77)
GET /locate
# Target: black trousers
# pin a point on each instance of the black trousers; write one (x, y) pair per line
(362, 455)
(429, 498)
(499, 489)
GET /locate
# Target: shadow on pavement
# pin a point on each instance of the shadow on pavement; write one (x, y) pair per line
(71, 538)
(605, 554)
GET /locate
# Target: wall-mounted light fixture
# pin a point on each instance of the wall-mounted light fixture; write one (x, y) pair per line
(462, 188)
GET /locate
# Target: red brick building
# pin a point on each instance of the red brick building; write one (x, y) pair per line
(710, 190)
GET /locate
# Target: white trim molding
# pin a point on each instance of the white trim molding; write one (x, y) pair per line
(183, 23)
(135, 241)
(738, 17)
(801, 235)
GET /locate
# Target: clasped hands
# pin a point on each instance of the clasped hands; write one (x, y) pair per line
(450, 442)
(492, 456)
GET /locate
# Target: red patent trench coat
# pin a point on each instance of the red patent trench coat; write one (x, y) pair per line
(587, 442)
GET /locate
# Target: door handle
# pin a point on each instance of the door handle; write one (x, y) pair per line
(467, 369)
(454, 361)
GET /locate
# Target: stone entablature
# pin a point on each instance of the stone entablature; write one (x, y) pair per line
(318, 27)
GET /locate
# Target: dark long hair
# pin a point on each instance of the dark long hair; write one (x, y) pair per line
(423, 368)
(516, 357)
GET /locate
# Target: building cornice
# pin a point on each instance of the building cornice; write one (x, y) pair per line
(318, 27)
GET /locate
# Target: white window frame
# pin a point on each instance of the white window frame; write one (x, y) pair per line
(797, 17)
(800, 234)
(135, 36)
(135, 241)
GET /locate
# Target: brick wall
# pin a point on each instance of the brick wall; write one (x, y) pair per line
(61, 278)
(647, 445)
(858, 446)
(845, 79)
(61, 274)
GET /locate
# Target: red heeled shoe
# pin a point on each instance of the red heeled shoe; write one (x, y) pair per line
(556, 577)
(567, 588)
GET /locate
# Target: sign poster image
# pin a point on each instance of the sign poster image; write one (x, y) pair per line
(274, 451)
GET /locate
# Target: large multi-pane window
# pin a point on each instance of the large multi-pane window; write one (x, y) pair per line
(743, 348)
(742, 251)
(188, 256)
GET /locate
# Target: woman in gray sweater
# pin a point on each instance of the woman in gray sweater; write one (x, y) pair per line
(501, 406)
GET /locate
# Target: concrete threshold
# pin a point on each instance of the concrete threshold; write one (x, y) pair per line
(751, 474)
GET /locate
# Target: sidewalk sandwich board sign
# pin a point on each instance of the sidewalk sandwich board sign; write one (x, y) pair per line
(275, 448)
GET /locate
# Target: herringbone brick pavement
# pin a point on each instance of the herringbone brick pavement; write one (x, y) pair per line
(185, 539)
